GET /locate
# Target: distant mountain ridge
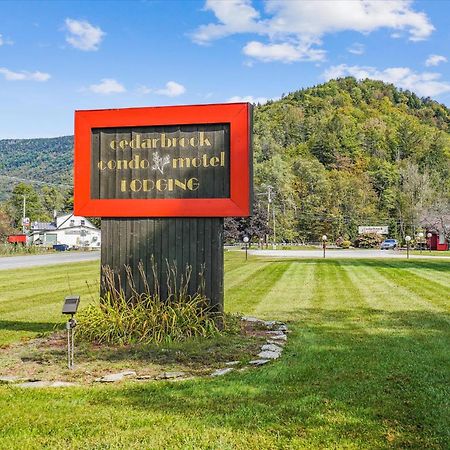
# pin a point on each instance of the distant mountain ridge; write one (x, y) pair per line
(42, 160)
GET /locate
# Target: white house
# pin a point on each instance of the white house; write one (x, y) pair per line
(74, 231)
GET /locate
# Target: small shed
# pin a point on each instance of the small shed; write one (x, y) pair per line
(437, 240)
(17, 239)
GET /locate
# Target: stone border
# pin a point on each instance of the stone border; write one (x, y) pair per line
(276, 337)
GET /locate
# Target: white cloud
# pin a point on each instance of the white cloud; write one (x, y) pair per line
(434, 60)
(247, 98)
(294, 28)
(172, 89)
(83, 35)
(23, 75)
(284, 52)
(426, 84)
(356, 49)
(6, 41)
(107, 86)
(235, 16)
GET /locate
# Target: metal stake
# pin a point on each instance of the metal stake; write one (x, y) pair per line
(70, 326)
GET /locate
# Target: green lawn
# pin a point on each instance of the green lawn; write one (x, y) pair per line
(367, 365)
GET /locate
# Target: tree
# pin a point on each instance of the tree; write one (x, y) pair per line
(33, 205)
(255, 226)
(5, 224)
(52, 200)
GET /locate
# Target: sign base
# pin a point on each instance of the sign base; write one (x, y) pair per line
(177, 242)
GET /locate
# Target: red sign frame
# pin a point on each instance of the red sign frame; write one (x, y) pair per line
(238, 115)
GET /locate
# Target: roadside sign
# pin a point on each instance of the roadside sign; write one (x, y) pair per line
(373, 230)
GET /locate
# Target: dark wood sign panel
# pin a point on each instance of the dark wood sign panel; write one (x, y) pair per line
(163, 179)
(161, 162)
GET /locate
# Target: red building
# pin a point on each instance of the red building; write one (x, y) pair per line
(437, 240)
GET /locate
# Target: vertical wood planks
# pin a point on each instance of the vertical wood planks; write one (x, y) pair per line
(192, 241)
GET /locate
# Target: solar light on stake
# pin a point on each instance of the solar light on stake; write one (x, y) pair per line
(429, 241)
(324, 243)
(70, 307)
(408, 240)
(246, 239)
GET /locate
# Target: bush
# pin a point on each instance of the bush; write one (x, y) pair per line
(145, 317)
(346, 244)
(19, 249)
(370, 240)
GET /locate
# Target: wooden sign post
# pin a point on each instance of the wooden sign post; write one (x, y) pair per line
(162, 179)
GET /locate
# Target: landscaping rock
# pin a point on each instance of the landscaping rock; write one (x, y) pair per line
(269, 355)
(278, 337)
(232, 363)
(9, 379)
(220, 372)
(34, 384)
(114, 377)
(170, 375)
(270, 323)
(280, 343)
(145, 377)
(271, 348)
(282, 327)
(252, 319)
(62, 384)
(259, 362)
(44, 384)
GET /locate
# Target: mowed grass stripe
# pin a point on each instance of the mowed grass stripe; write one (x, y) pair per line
(389, 295)
(245, 296)
(293, 291)
(237, 276)
(333, 287)
(423, 289)
(436, 276)
(380, 292)
(31, 299)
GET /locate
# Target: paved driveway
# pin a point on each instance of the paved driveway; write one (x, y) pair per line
(17, 262)
(339, 253)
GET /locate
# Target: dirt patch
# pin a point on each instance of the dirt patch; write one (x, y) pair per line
(45, 358)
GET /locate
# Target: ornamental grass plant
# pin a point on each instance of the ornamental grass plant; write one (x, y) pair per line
(127, 316)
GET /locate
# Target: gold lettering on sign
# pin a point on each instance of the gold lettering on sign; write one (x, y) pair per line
(142, 170)
(137, 142)
(162, 184)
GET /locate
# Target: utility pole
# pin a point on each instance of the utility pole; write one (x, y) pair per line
(23, 214)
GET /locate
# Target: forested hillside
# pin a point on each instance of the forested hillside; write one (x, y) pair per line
(42, 160)
(349, 153)
(335, 156)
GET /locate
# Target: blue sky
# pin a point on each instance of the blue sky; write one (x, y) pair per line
(58, 56)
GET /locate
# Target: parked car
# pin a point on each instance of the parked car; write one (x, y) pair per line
(389, 244)
(61, 247)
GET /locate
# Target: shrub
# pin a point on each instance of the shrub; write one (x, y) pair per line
(19, 249)
(346, 244)
(145, 317)
(370, 240)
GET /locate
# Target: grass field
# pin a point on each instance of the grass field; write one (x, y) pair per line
(366, 367)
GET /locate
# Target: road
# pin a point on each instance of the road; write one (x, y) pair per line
(339, 253)
(18, 262)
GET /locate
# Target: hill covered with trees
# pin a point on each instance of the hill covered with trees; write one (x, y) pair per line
(334, 156)
(41, 160)
(349, 153)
